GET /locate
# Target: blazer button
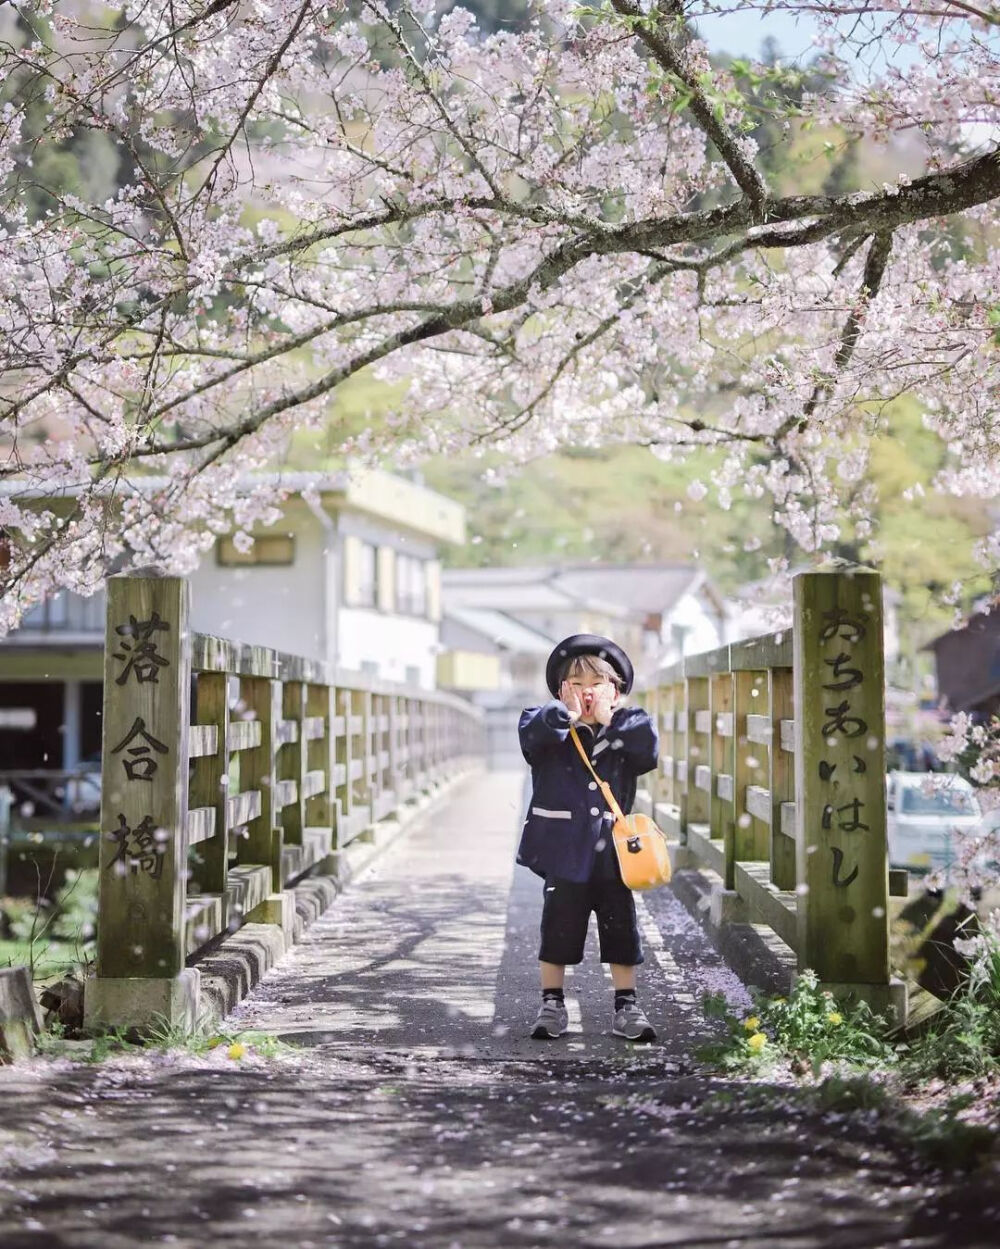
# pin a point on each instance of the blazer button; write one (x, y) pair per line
(592, 785)
(594, 811)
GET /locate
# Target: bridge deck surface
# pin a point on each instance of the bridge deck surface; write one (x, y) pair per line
(412, 1111)
(436, 951)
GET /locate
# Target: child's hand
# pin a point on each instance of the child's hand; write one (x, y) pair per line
(570, 697)
(605, 698)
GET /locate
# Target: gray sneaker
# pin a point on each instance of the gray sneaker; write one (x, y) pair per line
(552, 1020)
(631, 1023)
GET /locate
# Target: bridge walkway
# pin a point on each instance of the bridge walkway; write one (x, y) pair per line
(412, 1111)
(435, 951)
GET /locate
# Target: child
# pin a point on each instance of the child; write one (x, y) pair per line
(567, 835)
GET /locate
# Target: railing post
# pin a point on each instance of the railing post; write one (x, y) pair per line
(345, 763)
(750, 835)
(210, 788)
(291, 764)
(320, 811)
(418, 741)
(781, 777)
(260, 842)
(694, 804)
(141, 976)
(721, 808)
(369, 779)
(669, 704)
(840, 782)
(649, 701)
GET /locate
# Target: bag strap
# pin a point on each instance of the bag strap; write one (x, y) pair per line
(604, 787)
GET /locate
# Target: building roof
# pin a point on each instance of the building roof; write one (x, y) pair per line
(404, 503)
(620, 590)
(533, 597)
(641, 587)
(979, 624)
(502, 630)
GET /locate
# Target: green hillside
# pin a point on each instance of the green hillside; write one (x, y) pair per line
(624, 504)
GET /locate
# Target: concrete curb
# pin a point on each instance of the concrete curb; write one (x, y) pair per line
(754, 952)
(234, 966)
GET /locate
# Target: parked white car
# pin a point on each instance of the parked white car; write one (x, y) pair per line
(927, 814)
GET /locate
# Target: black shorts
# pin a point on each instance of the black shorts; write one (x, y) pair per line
(566, 917)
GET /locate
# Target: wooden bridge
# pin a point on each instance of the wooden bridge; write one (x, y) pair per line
(242, 788)
(232, 772)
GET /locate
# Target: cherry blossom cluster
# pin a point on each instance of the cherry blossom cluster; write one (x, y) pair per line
(976, 746)
(561, 233)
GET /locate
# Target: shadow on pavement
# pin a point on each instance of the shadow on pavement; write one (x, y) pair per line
(320, 1149)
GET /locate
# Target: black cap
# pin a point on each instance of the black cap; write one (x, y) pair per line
(587, 644)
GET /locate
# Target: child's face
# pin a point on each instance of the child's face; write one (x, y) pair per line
(591, 689)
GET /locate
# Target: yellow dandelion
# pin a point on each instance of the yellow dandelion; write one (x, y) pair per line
(751, 1023)
(236, 1050)
(756, 1042)
(835, 1018)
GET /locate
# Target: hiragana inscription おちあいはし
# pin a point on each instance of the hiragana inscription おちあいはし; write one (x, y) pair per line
(839, 764)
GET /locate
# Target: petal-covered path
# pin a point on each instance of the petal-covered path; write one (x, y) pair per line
(413, 1111)
(435, 952)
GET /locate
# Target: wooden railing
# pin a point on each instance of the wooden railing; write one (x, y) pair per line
(772, 777)
(228, 772)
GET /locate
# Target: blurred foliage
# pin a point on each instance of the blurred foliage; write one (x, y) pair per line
(83, 162)
(623, 504)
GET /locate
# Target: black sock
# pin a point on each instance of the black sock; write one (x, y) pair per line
(555, 994)
(624, 997)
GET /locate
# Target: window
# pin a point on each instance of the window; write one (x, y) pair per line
(411, 586)
(945, 800)
(270, 549)
(367, 575)
(360, 572)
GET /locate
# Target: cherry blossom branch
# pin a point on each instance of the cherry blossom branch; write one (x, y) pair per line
(270, 70)
(652, 31)
(876, 263)
(937, 194)
(421, 73)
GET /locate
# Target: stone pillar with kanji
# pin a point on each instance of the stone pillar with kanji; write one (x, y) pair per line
(841, 849)
(141, 978)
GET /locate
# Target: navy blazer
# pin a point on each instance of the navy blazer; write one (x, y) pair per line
(568, 816)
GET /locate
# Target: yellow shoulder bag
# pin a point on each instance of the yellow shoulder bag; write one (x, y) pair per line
(640, 846)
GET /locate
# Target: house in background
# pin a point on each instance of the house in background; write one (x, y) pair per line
(968, 666)
(657, 612)
(350, 574)
(515, 616)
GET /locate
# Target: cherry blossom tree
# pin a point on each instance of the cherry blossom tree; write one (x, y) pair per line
(561, 232)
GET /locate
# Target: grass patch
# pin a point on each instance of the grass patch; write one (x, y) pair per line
(807, 1029)
(163, 1038)
(869, 1107)
(48, 960)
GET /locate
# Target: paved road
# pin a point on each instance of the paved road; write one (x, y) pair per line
(413, 1111)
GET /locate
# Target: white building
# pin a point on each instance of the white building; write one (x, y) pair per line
(513, 617)
(657, 612)
(351, 576)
